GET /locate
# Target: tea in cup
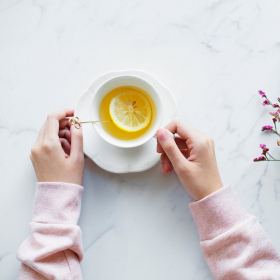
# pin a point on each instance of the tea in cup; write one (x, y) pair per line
(134, 108)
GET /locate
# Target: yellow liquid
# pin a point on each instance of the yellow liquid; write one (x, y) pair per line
(110, 127)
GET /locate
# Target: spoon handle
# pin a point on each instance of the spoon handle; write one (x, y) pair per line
(77, 123)
(94, 121)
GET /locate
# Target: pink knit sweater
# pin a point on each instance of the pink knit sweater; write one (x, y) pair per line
(234, 244)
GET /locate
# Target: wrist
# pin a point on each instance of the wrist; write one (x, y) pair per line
(206, 190)
(213, 189)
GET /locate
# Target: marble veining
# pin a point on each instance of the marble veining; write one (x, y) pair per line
(213, 55)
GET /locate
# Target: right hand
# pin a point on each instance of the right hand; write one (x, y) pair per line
(57, 155)
(192, 155)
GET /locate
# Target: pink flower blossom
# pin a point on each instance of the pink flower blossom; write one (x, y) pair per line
(274, 120)
(274, 114)
(262, 93)
(265, 102)
(275, 105)
(260, 158)
(265, 151)
(267, 127)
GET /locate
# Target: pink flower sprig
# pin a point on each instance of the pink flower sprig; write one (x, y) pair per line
(259, 159)
(266, 101)
(274, 114)
(267, 127)
(266, 156)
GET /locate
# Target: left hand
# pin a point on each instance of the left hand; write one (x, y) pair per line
(57, 155)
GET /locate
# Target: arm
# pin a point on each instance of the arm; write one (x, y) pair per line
(234, 244)
(54, 249)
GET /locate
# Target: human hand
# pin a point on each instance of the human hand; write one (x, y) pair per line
(57, 155)
(192, 155)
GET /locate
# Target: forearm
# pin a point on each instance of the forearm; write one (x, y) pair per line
(234, 244)
(54, 249)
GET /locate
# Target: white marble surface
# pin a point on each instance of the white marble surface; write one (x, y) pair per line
(213, 56)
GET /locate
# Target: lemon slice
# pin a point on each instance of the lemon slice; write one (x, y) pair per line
(130, 111)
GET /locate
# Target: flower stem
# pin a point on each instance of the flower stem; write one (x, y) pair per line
(268, 101)
(270, 155)
(266, 157)
(275, 131)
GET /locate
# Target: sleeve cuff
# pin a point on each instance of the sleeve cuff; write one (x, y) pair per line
(57, 203)
(217, 213)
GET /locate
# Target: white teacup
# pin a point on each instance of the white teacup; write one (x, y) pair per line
(119, 82)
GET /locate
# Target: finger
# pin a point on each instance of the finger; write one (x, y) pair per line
(170, 148)
(63, 123)
(166, 165)
(159, 148)
(181, 143)
(184, 130)
(52, 125)
(65, 133)
(65, 145)
(76, 143)
(185, 153)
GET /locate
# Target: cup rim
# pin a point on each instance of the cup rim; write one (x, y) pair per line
(138, 142)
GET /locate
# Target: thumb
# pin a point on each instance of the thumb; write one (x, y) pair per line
(76, 142)
(172, 151)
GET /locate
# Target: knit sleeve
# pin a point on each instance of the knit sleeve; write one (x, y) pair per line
(54, 248)
(233, 242)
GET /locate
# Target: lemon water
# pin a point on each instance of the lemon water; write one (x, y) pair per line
(110, 127)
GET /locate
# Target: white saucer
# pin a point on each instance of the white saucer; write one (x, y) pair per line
(112, 158)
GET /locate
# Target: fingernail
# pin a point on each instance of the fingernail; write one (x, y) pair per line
(161, 134)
